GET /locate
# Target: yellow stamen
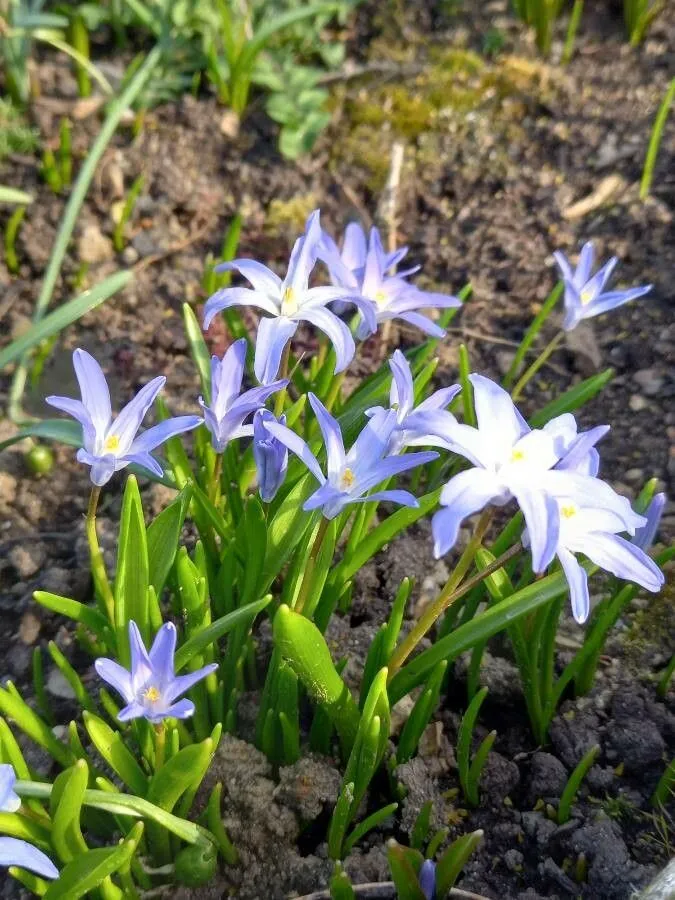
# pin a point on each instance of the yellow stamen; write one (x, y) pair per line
(568, 511)
(517, 456)
(381, 298)
(586, 297)
(347, 479)
(289, 304)
(112, 443)
(152, 694)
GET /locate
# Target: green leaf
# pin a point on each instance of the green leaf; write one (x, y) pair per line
(112, 747)
(66, 314)
(286, 529)
(572, 399)
(213, 632)
(13, 707)
(163, 535)
(133, 570)
(13, 195)
(478, 630)
(77, 612)
(301, 643)
(65, 432)
(198, 350)
(405, 865)
(254, 534)
(86, 872)
(450, 865)
(66, 835)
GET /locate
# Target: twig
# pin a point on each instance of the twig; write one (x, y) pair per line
(374, 68)
(388, 213)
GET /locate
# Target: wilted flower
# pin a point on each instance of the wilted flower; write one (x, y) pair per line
(410, 429)
(110, 445)
(152, 688)
(289, 302)
(427, 879)
(351, 475)
(13, 851)
(225, 415)
(271, 456)
(585, 294)
(391, 295)
(645, 535)
(595, 533)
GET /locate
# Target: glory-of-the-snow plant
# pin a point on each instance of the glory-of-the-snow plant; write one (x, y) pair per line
(293, 481)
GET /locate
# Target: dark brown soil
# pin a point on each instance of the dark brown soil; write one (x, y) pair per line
(497, 153)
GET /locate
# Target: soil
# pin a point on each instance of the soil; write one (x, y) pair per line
(499, 150)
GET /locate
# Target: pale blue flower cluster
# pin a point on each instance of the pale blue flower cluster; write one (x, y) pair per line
(551, 473)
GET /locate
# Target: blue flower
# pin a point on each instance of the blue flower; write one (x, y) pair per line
(511, 460)
(224, 417)
(271, 456)
(288, 303)
(594, 532)
(411, 421)
(585, 294)
(351, 475)
(645, 535)
(13, 851)
(427, 879)
(110, 445)
(391, 296)
(152, 688)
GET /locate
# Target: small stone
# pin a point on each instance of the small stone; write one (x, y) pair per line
(93, 246)
(57, 581)
(144, 244)
(504, 360)
(7, 488)
(637, 403)
(29, 628)
(636, 744)
(229, 124)
(27, 558)
(19, 661)
(548, 777)
(129, 256)
(57, 686)
(634, 475)
(649, 380)
(513, 860)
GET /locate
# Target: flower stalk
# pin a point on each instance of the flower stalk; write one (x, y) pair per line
(100, 576)
(532, 370)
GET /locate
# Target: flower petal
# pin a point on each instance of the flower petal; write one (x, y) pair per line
(563, 265)
(116, 676)
(392, 465)
(585, 264)
(404, 498)
(543, 525)
(180, 684)
(181, 710)
(623, 559)
(102, 467)
(229, 377)
(94, 390)
(371, 444)
(424, 323)
(133, 710)
(354, 247)
(304, 256)
(645, 535)
(141, 667)
(613, 299)
(499, 422)
(261, 277)
(15, 852)
(402, 393)
(332, 437)
(577, 579)
(466, 493)
(296, 445)
(337, 332)
(78, 411)
(162, 652)
(273, 335)
(228, 297)
(158, 434)
(440, 399)
(9, 801)
(126, 425)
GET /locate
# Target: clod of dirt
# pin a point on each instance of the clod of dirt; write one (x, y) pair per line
(420, 786)
(499, 779)
(309, 787)
(610, 867)
(573, 733)
(548, 777)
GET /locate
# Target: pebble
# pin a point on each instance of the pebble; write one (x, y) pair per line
(27, 559)
(129, 256)
(649, 380)
(57, 685)
(29, 629)
(93, 246)
(637, 403)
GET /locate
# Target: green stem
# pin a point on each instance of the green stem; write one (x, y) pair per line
(311, 565)
(98, 571)
(572, 28)
(160, 745)
(532, 370)
(655, 141)
(215, 479)
(334, 391)
(448, 595)
(283, 373)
